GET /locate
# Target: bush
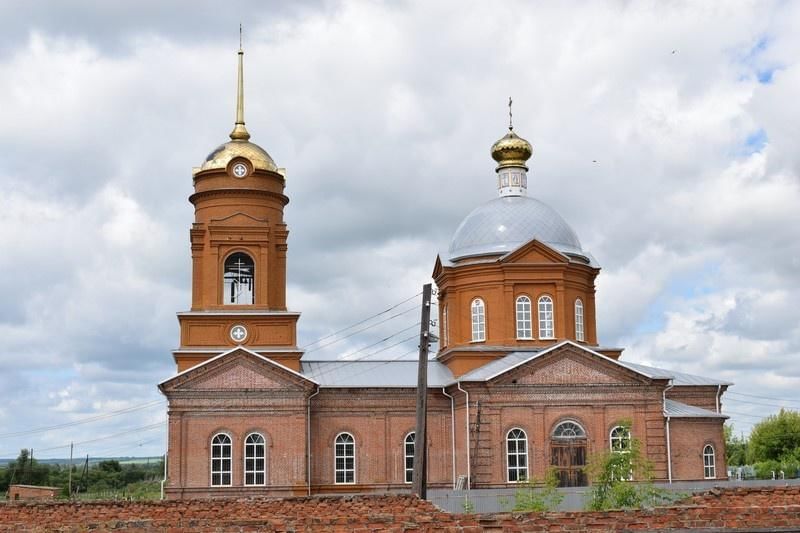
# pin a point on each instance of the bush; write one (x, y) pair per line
(538, 497)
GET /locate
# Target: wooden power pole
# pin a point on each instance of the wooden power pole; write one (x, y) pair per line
(420, 437)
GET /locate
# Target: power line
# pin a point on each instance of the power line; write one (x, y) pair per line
(750, 402)
(395, 306)
(762, 397)
(345, 356)
(361, 330)
(363, 357)
(94, 418)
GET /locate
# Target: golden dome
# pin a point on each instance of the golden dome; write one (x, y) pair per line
(511, 151)
(224, 153)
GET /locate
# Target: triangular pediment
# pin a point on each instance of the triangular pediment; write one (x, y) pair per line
(534, 252)
(237, 369)
(437, 267)
(569, 364)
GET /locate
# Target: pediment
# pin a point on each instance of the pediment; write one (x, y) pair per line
(437, 267)
(570, 365)
(534, 252)
(238, 369)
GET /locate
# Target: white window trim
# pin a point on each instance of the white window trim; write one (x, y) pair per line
(345, 469)
(530, 317)
(580, 333)
(517, 468)
(211, 461)
(445, 332)
(405, 456)
(552, 317)
(627, 437)
(482, 320)
(244, 463)
(713, 466)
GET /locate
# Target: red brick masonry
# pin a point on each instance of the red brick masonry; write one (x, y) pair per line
(765, 509)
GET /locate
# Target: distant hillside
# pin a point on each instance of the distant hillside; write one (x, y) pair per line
(92, 460)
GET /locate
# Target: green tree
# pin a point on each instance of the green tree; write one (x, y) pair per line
(776, 438)
(622, 479)
(539, 497)
(735, 447)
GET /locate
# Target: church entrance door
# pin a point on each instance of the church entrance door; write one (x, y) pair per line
(568, 454)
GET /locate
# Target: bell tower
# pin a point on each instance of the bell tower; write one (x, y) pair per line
(238, 243)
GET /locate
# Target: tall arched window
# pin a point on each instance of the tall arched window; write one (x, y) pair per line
(546, 318)
(620, 439)
(478, 320)
(408, 456)
(709, 462)
(345, 459)
(524, 328)
(579, 320)
(255, 464)
(517, 455)
(238, 280)
(568, 454)
(221, 460)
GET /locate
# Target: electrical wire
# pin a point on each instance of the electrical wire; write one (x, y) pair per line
(750, 402)
(94, 418)
(761, 397)
(115, 435)
(395, 306)
(361, 330)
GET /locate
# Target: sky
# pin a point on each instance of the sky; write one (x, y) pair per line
(665, 133)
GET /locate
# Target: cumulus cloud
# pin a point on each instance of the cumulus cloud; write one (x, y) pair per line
(664, 134)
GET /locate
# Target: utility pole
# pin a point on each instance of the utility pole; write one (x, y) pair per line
(420, 437)
(70, 472)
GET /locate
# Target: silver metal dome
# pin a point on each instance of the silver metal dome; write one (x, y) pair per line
(503, 224)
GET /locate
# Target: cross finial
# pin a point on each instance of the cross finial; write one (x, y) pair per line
(240, 36)
(510, 116)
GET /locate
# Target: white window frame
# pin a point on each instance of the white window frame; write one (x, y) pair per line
(579, 323)
(445, 333)
(547, 328)
(519, 439)
(336, 456)
(478, 313)
(408, 473)
(619, 441)
(709, 462)
(252, 447)
(218, 461)
(524, 317)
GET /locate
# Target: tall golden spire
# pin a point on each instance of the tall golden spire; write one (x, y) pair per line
(239, 132)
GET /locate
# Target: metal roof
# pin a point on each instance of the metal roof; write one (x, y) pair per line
(678, 378)
(372, 373)
(681, 410)
(503, 224)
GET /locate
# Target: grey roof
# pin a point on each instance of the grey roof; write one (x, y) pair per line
(503, 224)
(372, 373)
(678, 378)
(681, 410)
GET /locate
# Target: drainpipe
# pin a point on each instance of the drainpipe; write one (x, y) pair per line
(669, 450)
(719, 393)
(308, 440)
(452, 433)
(469, 473)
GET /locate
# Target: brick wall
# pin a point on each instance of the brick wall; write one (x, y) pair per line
(767, 509)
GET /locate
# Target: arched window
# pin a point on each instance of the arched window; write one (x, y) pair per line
(408, 454)
(517, 455)
(620, 439)
(524, 328)
(579, 320)
(345, 459)
(569, 430)
(238, 280)
(709, 462)
(255, 465)
(546, 318)
(478, 320)
(221, 460)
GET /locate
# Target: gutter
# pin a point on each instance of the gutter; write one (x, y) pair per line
(469, 473)
(719, 394)
(452, 433)
(308, 441)
(669, 450)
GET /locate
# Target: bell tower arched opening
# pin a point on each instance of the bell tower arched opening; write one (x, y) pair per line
(238, 280)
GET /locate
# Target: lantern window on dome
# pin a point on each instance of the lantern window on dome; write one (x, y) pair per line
(546, 318)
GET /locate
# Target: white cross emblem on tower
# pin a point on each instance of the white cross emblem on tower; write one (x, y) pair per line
(238, 333)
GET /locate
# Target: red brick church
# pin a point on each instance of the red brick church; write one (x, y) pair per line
(520, 383)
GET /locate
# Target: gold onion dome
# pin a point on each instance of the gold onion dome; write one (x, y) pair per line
(511, 151)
